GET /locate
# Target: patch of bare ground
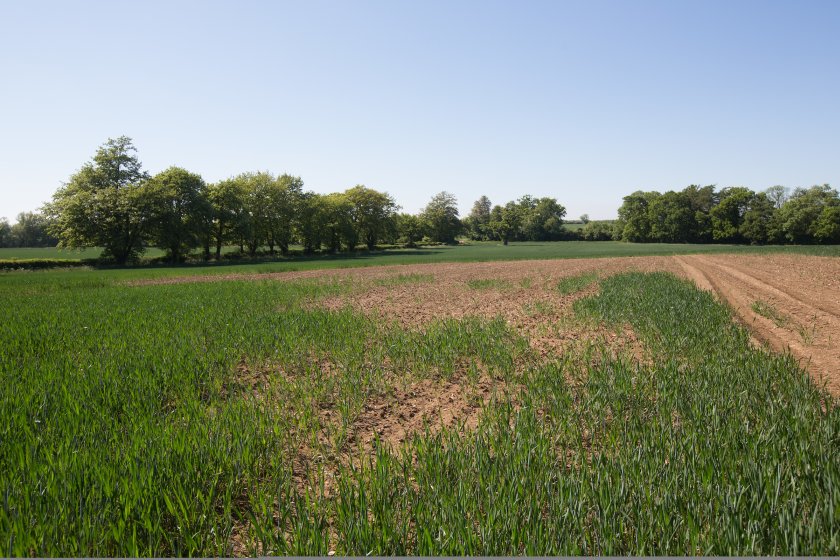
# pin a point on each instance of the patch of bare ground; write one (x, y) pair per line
(247, 381)
(242, 544)
(791, 302)
(523, 293)
(389, 417)
(435, 404)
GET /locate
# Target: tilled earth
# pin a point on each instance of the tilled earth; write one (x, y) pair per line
(791, 302)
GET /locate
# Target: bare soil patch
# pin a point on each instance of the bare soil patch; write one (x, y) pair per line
(524, 293)
(791, 302)
(431, 404)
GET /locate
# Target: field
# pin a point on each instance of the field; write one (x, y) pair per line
(473, 251)
(23, 253)
(577, 406)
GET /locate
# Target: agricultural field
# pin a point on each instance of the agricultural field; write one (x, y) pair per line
(474, 251)
(24, 253)
(469, 252)
(648, 404)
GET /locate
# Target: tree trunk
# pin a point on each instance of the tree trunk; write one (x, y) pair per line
(219, 232)
(121, 257)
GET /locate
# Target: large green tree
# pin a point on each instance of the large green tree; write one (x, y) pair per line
(5, 233)
(505, 221)
(182, 212)
(372, 213)
(255, 223)
(409, 229)
(440, 217)
(700, 200)
(285, 201)
(227, 206)
(339, 227)
(728, 214)
(634, 218)
(757, 225)
(827, 227)
(107, 203)
(801, 216)
(310, 221)
(671, 218)
(477, 222)
(542, 219)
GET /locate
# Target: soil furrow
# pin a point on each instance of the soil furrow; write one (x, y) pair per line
(828, 304)
(794, 302)
(696, 275)
(810, 334)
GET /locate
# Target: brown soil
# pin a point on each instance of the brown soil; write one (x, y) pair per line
(523, 293)
(804, 293)
(431, 403)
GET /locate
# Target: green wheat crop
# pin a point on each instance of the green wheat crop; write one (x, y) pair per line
(175, 420)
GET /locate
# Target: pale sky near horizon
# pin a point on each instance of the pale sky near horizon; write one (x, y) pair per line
(584, 101)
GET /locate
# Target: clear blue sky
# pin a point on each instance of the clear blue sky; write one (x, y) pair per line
(582, 101)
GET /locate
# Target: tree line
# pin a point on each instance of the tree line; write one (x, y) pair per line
(111, 202)
(30, 230)
(525, 219)
(731, 215)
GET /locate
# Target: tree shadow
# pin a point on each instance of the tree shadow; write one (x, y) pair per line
(355, 256)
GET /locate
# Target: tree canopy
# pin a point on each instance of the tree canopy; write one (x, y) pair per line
(526, 219)
(731, 215)
(440, 218)
(106, 203)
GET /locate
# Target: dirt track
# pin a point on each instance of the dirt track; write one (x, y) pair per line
(803, 294)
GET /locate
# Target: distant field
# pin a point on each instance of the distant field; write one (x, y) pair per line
(474, 252)
(477, 252)
(17, 253)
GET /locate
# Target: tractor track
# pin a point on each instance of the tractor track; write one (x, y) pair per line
(805, 326)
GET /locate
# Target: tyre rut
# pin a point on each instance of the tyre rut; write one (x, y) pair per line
(829, 306)
(819, 355)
